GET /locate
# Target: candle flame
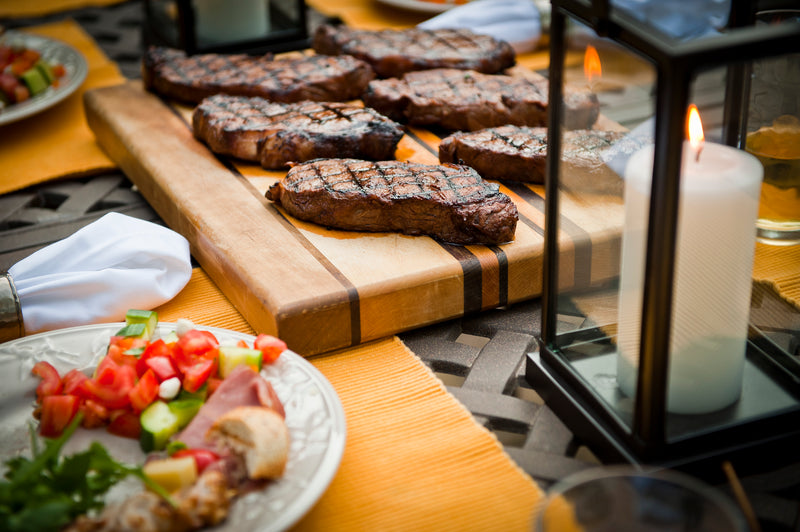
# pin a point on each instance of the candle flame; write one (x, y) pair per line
(694, 130)
(591, 63)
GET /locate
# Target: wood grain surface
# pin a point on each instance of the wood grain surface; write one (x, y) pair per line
(321, 289)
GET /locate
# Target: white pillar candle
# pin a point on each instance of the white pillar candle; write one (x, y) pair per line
(223, 21)
(712, 279)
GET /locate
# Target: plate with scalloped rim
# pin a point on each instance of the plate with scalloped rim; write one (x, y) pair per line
(53, 51)
(314, 416)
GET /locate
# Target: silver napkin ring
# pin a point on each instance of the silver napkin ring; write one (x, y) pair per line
(11, 325)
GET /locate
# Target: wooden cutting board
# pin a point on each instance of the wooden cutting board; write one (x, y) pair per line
(320, 289)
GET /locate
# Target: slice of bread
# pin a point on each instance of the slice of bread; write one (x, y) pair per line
(256, 433)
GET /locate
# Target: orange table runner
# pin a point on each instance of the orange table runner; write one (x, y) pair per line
(415, 459)
(37, 8)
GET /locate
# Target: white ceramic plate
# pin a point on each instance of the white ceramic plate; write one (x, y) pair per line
(421, 5)
(314, 416)
(55, 52)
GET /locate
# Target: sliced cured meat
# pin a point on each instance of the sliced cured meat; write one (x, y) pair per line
(173, 74)
(448, 202)
(243, 387)
(392, 53)
(276, 134)
(518, 153)
(468, 100)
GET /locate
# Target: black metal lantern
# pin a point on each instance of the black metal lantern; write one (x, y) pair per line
(226, 26)
(669, 364)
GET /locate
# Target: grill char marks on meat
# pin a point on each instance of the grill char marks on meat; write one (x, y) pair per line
(172, 74)
(468, 100)
(276, 134)
(447, 202)
(392, 53)
(514, 153)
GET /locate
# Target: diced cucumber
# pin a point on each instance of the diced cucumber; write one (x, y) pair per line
(159, 424)
(201, 394)
(175, 446)
(136, 330)
(34, 80)
(147, 317)
(185, 410)
(46, 70)
(231, 356)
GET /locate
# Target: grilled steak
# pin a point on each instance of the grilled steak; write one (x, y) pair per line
(172, 74)
(275, 134)
(468, 100)
(448, 202)
(392, 53)
(516, 153)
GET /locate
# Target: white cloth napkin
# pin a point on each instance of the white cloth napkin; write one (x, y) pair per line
(101, 271)
(514, 21)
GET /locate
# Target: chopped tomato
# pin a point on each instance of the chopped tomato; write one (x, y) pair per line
(72, 381)
(162, 367)
(21, 93)
(111, 385)
(51, 380)
(195, 344)
(120, 347)
(154, 349)
(144, 392)
(270, 347)
(125, 424)
(94, 414)
(202, 457)
(196, 358)
(57, 412)
(196, 375)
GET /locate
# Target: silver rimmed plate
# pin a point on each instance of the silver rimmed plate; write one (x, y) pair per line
(421, 5)
(52, 51)
(314, 416)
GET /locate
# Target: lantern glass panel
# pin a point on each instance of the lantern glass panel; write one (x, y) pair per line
(591, 168)
(712, 384)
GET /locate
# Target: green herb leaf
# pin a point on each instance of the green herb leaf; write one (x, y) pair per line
(47, 491)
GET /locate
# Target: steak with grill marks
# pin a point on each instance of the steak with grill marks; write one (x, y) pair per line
(468, 100)
(447, 202)
(517, 153)
(275, 134)
(392, 53)
(173, 74)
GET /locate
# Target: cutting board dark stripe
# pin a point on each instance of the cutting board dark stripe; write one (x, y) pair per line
(433, 149)
(473, 276)
(531, 199)
(502, 274)
(352, 292)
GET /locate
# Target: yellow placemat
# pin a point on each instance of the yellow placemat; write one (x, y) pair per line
(58, 142)
(37, 8)
(779, 266)
(369, 14)
(414, 459)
